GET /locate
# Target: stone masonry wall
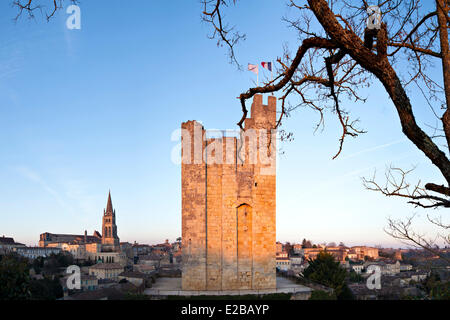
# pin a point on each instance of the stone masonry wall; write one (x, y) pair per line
(228, 206)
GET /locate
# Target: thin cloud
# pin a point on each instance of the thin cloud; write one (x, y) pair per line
(9, 67)
(350, 174)
(78, 190)
(34, 177)
(374, 148)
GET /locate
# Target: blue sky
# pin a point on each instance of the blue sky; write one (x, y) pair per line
(85, 111)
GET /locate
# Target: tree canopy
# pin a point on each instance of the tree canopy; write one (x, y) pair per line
(14, 278)
(326, 271)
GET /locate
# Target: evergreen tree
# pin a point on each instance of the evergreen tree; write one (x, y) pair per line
(328, 272)
(14, 278)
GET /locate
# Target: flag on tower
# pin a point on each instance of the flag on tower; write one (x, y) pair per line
(253, 68)
(267, 65)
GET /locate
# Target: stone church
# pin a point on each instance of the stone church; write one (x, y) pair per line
(103, 247)
(110, 240)
(228, 204)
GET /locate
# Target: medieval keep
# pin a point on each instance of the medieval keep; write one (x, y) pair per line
(228, 204)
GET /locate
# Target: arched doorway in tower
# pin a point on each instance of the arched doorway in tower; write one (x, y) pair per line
(244, 245)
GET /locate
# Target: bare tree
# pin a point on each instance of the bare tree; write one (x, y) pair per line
(340, 55)
(47, 7)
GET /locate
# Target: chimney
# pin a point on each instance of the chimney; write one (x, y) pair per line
(85, 236)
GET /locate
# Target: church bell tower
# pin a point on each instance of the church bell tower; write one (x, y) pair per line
(110, 240)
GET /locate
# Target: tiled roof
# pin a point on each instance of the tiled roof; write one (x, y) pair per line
(6, 240)
(133, 274)
(106, 266)
(150, 257)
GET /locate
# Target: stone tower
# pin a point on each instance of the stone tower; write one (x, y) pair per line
(228, 204)
(110, 240)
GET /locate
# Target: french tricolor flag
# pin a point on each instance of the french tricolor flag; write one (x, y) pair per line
(267, 65)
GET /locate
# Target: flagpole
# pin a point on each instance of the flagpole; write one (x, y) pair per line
(271, 69)
(271, 72)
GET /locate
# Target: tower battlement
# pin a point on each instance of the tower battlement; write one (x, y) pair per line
(262, 116)
(255, 145)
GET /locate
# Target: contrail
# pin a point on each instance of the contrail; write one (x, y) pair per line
(374, 148)
(34, 177)
(340, 179)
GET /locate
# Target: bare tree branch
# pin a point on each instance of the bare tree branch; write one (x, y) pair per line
(224, 34)
(30, 6)
(402, 230)
(396, 184)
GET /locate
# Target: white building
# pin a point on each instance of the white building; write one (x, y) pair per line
(109, 271)
(386, 268)
(358, 268)
(35, 252)
(405, 267)
(419, 277)
(295, 260)
(283, 263)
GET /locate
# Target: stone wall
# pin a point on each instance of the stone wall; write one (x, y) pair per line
(228, 205)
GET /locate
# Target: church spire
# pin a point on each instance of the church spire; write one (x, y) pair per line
(110, 240)
(109, 207)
